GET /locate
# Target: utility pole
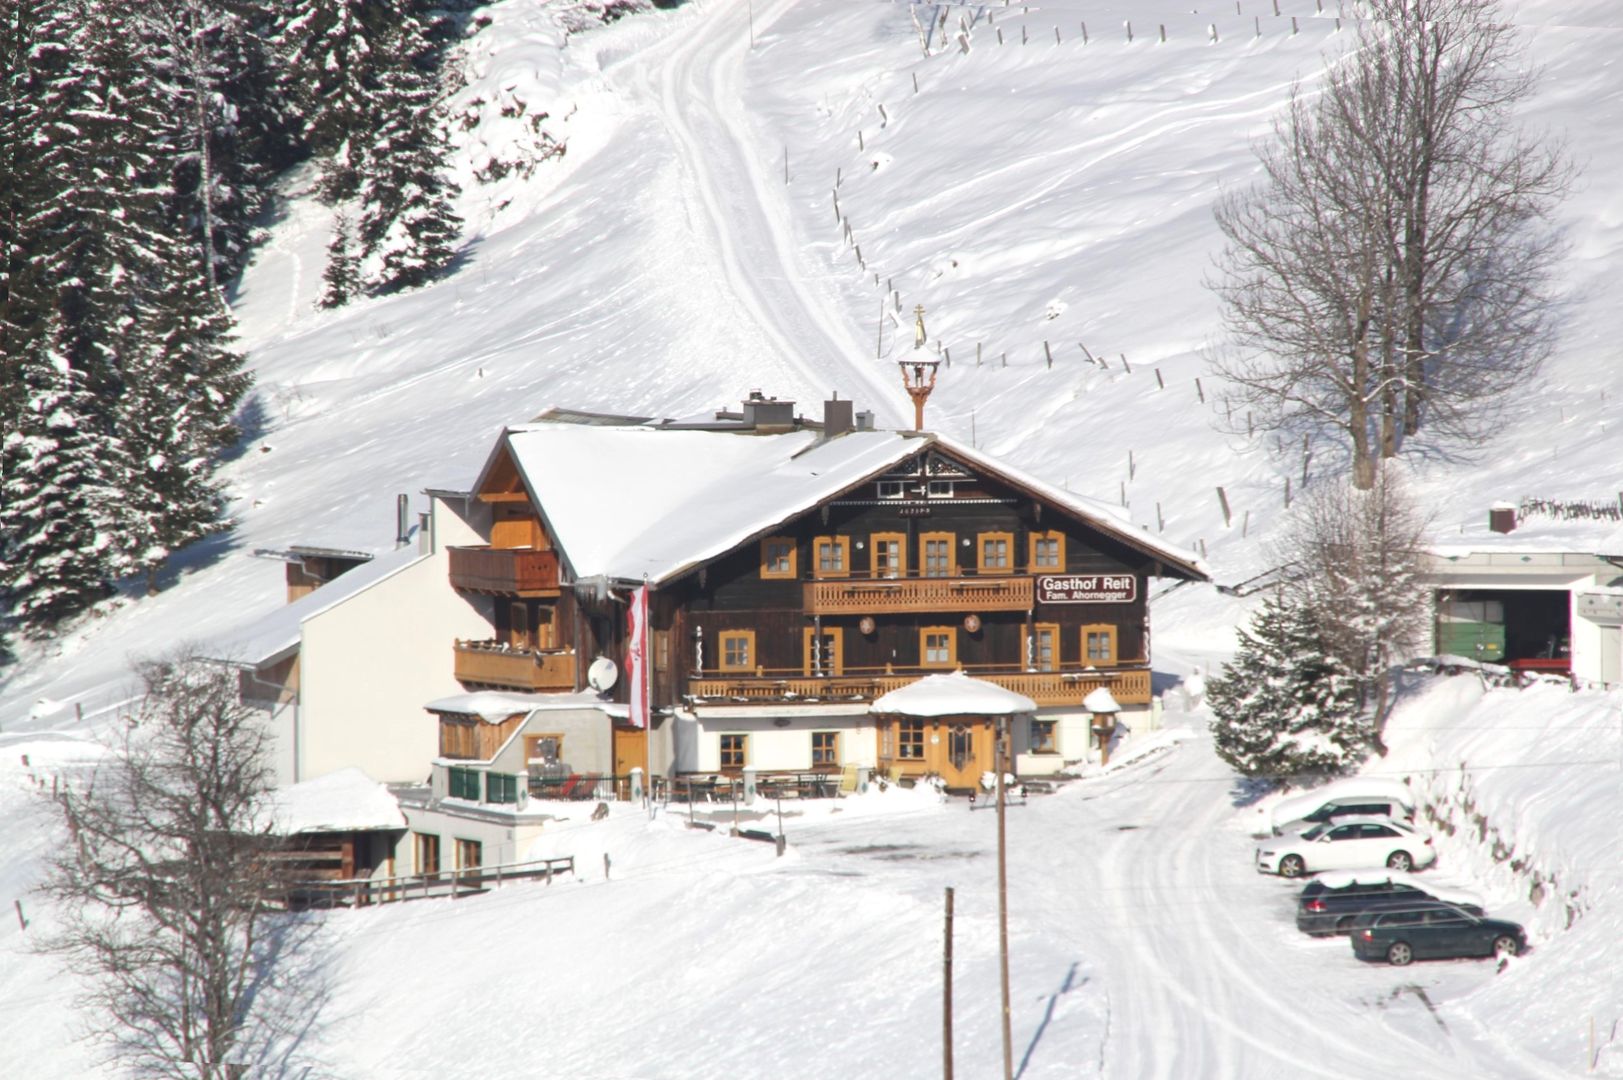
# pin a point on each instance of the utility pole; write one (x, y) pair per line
(1003, 899)
(946, 995)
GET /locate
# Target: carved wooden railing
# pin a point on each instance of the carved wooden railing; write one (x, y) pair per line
(504, 571)
(481, 663)
(837, 596)
(1129, 686)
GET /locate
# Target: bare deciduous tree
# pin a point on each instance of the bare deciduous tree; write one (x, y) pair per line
(164, 879)
(1392, 270)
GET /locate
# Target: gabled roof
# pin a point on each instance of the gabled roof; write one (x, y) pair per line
(625, 502)
(275, 636)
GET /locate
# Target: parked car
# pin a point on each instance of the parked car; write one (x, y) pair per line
(1433, 931)
(1354, 797)
(1331, 902)
(1349, 844)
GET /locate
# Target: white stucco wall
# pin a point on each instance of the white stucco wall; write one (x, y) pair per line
(369, 664)
(774, 748)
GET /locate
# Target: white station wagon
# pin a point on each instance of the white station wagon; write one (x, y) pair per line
(1347, 844)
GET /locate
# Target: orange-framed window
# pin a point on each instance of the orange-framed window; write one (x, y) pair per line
(824, 655)
(737, 650)
(938, 646)
(735, 752)
(1098, 645)
(938, 554)
(825, 749)
(1042, 736)
(1045, 647)
(1046, 551)
(996, 552)
(778, 557)
(910, 739)
(831, 556)
(888, 555)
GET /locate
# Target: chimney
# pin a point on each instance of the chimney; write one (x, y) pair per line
(865, 420)
(837, 417)
(1502, 517)
(402, 520)
(768, 415)
(425, 540)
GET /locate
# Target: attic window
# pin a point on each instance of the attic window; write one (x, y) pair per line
(892, 489)
(940, 489)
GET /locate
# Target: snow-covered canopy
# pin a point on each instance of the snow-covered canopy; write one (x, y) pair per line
(1101, 700)
(956, 694)
(494, 706)
(342, 801)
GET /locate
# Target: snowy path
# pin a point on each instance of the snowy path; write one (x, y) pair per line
(695, 80)
(1186, 963)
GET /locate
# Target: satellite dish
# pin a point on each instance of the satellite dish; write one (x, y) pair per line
(602, 674)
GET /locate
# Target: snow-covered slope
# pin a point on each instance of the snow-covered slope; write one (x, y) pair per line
(1033, 191)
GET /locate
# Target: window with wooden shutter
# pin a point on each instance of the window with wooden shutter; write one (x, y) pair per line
(889, 559)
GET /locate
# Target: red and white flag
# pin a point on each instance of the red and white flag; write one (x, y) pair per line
(637, 655)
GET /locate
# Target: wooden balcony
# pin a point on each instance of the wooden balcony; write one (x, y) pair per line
(1129, 686)
(487, 665)
(505, 571)
(871, 596)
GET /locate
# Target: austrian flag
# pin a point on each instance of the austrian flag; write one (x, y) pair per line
(637, 655)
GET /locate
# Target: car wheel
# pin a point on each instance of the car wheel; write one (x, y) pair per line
(1398, 953)
(1505, 945)
(1291, 866)
(1400, 861)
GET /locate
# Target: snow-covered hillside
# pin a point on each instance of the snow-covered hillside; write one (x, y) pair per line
(1042, 190)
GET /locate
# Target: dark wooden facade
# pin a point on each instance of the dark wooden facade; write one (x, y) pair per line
(936, 565)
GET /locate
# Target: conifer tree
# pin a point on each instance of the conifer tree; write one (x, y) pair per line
(330, 47)
(61, 500)
(1285, 705)
(343, 274)
(408, 226)
(22, 188)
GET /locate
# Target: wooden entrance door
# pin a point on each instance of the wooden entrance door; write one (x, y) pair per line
(630, 752)
(964, 752)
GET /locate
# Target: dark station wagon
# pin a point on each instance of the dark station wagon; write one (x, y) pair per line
(1433, 930)
(1331, 903)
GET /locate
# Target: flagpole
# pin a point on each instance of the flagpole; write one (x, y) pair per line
(648, 707)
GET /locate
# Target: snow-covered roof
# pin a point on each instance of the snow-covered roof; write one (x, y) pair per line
(494, 706)
(629, 502)
(341, 801)
(651, 502)
(271, 637)
(1101, 515)
(956, 694)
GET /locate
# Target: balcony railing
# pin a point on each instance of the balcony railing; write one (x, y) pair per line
(505, 571)
(489, 664)
(857, 596)
(1128, 685)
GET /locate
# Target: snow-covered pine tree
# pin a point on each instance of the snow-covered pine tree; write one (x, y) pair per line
(61, 500)
(408, 227)
(331, 51)
(1285, 706)
(23, 293)
(342, 278)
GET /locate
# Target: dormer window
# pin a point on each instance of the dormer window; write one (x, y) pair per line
(892, 489)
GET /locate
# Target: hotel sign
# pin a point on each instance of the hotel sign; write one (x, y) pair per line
(1087, 588)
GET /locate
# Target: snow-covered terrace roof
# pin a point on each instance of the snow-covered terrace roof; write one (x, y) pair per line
(624, 502)
(494, 706)
(271, 638)
(342, 801)
(629, 502)
(955, 694)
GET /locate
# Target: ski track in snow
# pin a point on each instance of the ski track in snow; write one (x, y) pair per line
(695, 79)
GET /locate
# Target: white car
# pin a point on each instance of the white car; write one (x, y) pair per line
(1347, 844)
(1357, 796)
